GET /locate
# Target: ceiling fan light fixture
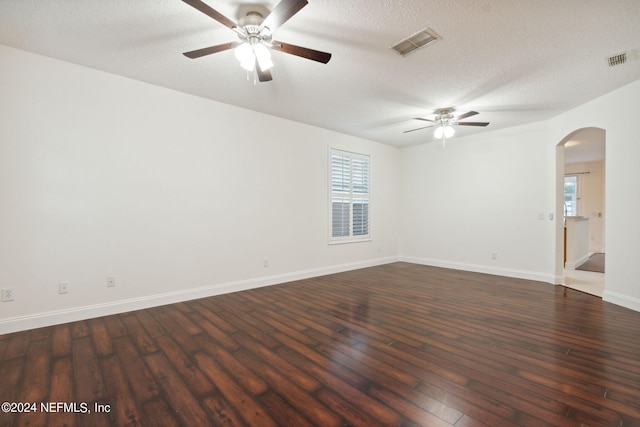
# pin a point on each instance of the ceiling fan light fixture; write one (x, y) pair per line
(439, 132)
(445, 130)
(249, 52)
(449, 131)
(244, 54)
(263, 56)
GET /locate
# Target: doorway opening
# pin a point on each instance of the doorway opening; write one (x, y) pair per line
(580, 185)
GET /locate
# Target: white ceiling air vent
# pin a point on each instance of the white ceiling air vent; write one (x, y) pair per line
(418, 40)
(623, 58)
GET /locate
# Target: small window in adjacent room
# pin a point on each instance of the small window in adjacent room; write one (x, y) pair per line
(571, 195)
(350, 201)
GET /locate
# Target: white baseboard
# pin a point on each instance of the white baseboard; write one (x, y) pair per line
(518, 274)
(569, 265)
(622, 300)
(74, 314)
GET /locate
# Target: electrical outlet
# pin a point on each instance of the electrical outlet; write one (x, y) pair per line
(265, 262)
(111, 282)
(63, 287)
(8, 294)
(494, 255)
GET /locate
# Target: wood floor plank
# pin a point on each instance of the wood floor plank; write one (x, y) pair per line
(174, 329)
(283, 324)
(293, 394)
(157, 412)
(252, 412)
(209, 328)
(273, 361)
(351, 400)
(138, 334)
(115, 326)
(142, 382)
(37, 372)
(11, 374)
(100, 336)
(397, 345)
(386, 381)
(121, 405)
(88, 378)
(35, 388)
(79, 329)
(249, 326)
(176, 391)
(4, 342)
(241, 373)
(181, 319)
(61, 340)
(149, 323)
(282, 412)
(17, 345)
(198, 382)
(62, 391)
(407, 408)
(221, 413)
(474, 405)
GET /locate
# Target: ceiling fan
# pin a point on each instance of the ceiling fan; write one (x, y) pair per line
(255, 37)
(445, 120)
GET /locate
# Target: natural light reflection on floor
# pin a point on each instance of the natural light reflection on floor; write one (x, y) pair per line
(585, 281)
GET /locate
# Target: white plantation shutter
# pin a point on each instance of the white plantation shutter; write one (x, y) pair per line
(349, 183)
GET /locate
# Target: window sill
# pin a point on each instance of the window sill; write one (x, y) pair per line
(342, 242)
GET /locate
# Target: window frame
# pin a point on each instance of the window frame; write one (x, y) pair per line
(350, 196)
(575, 208)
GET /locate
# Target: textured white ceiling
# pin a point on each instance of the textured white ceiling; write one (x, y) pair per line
(514, 61)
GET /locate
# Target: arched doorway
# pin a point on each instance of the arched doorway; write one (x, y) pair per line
(580, 208)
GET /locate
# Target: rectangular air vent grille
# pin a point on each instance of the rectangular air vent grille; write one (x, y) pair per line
(617, 59)
(623, 58)
(417, 40)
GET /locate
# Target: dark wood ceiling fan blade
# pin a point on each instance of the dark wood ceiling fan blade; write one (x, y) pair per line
(425, 120)
(263, 75)
(209, 50)
(282, 13)
(303, 52)
(465, 115)
(413, 130)
(211, 12)
(471, 123)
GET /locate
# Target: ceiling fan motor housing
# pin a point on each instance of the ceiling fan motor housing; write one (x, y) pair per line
(251, 19)
(444, 115)
(252, 29)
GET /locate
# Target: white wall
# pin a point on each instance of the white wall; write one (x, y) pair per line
(476, 196)
(177, 196)
(615, 113)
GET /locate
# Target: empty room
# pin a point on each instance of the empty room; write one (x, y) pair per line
(319, 213)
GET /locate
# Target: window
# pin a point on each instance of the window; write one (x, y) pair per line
(350, 201)
(571, 195)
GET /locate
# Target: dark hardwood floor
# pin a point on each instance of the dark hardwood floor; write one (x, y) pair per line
(395, 345)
